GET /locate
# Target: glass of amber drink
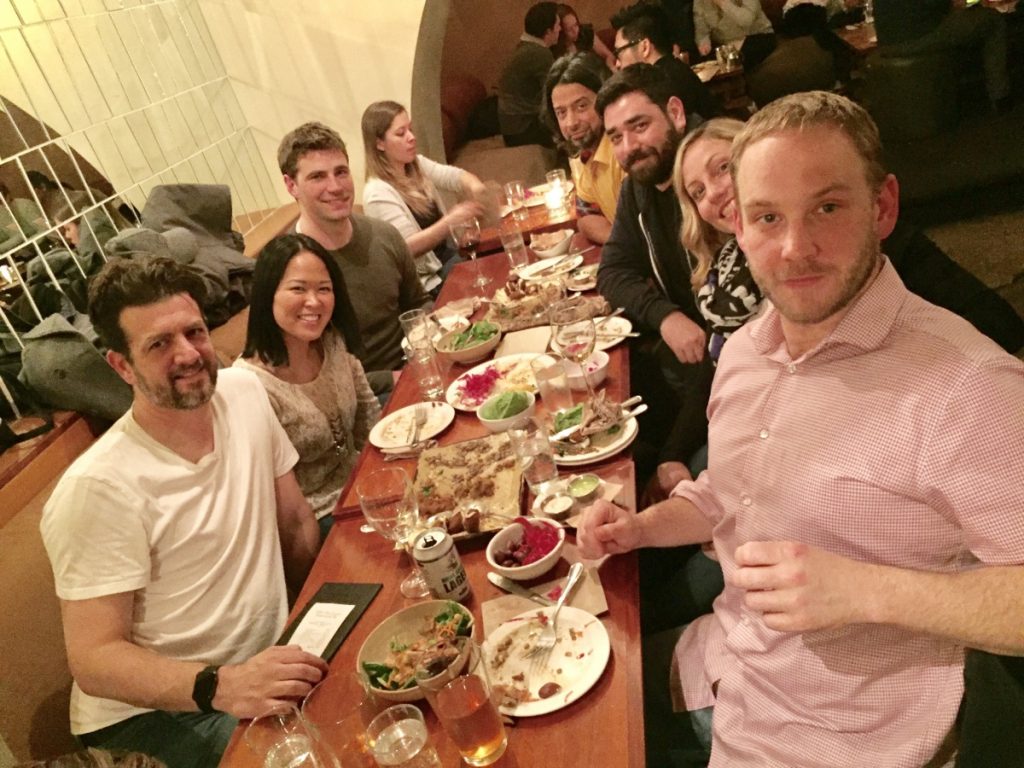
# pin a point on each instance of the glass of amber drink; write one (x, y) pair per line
(463, 703)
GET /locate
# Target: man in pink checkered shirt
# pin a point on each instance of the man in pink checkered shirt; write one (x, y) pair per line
(866, 476)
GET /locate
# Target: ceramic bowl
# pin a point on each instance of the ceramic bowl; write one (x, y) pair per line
(560, 248)
(597, 371)
(466, 355)
(512, 534)
(500, 425)
(403, 627)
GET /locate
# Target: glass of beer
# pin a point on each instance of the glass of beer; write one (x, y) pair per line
(331, 708)
(462, 702)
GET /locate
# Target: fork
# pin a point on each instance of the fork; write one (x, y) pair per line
(546, 641)
(420, 419)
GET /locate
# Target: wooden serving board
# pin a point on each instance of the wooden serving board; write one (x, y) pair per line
(483, 471)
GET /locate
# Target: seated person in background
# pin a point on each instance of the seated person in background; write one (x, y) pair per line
(379, 272)
(171, 537)
(908, 27)
(815, 17)
(643, 34)
(741, 22)
(575, 37)
(570, 93)
(521, 86)
(302, 342)
(842, 628)
(680, 18)
(402, 189)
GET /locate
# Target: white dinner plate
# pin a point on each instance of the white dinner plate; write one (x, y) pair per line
(569, 263)
(612, 331)
(394, 430)
(594, 454)
(515, 375)
(580, 655)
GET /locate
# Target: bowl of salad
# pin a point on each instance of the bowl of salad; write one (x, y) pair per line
(506, 409)
(420, 634)
(469, 345)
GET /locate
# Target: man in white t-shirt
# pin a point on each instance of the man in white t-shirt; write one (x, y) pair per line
(171, 537)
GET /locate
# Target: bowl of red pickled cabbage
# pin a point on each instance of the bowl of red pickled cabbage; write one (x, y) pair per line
(526, 549)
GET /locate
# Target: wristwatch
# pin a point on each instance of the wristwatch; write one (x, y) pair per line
(205, 688)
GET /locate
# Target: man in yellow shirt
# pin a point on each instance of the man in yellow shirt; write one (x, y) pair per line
(570, 93)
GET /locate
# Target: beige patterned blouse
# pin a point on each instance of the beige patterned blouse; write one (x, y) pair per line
(327, 420)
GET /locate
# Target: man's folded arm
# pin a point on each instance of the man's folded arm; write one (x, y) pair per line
(107, 664)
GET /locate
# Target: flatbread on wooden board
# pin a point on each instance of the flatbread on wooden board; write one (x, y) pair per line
(482, 471)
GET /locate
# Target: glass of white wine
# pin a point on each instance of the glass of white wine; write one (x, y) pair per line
(389, 504)
(574, 335)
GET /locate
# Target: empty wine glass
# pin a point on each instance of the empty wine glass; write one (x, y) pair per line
(467, 237)
(389, 504)
(574, 335)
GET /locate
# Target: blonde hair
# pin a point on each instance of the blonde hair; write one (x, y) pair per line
(810, 109)
(415, 188)
(697, 236)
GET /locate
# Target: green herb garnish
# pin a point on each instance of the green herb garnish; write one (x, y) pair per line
(569, 417)
(477, 333)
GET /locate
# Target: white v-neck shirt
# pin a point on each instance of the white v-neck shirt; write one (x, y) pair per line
(197, 542)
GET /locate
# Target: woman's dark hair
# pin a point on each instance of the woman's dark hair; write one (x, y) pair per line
(263, 338)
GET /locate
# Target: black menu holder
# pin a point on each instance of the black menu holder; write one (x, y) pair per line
(358, 595)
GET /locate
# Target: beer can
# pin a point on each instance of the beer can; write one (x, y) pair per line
(438, 560)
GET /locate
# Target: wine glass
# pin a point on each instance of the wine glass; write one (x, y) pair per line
(389, 504)
(467, 237)
(574, 335)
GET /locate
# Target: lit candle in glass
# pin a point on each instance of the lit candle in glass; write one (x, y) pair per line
(554, 198)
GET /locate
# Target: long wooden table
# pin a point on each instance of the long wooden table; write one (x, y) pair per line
(605, 726)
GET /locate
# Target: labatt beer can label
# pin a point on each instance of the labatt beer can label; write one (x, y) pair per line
(438, 560)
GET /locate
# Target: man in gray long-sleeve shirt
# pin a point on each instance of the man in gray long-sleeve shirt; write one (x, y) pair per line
(380, 274)
(521, 88)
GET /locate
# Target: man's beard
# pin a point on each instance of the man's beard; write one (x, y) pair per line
(661, 171)
(167, 395)
(587, 142)
(852, 283)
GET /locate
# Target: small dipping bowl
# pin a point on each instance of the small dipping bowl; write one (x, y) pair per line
(583, 488)
(557, 506)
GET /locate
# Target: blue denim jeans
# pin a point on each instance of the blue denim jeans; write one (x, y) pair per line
(179, 739)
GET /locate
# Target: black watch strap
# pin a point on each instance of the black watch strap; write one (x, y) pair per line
(205, 688)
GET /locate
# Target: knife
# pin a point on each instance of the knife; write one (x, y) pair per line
(510, 586)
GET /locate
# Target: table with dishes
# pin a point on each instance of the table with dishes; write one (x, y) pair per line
(532, 210)
(568, 692)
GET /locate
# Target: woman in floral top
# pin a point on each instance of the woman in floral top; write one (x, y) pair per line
(301, 340)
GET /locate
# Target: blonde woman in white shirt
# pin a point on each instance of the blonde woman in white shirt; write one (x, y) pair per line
(402, 189)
